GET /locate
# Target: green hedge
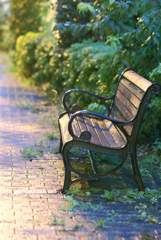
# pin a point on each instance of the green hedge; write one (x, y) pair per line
(25, 53)
(48, 65)
(38, 57)
(26, 15)
(151, 128)
(88, 67)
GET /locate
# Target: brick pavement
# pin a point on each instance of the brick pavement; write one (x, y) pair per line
(30, 198)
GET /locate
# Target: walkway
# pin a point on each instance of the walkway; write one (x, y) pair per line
(31, 177)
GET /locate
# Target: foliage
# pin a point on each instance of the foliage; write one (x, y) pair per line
(26, 16)
(155, 156)
(138, 25)
(130, 195)
(151, 129)
(88, 67)
(37, 57)
(155, 75)
(4, 33)
(73, 205)
(74, 190)
(29, 152)
(85, 65)
(144, 40)
(85, 8)
(48, 66)
(25, 53)
(112, 17)
(70, 25)
(98, 108)
(100, 223)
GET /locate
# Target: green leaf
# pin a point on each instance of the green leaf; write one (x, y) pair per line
(70, 209)
(111, 1)
(69, 199)
(85, 7)
(126, 63)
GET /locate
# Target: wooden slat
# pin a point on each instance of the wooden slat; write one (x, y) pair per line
(128, 129)
(81, 123)
(127, 104)
(76, 127)
(132, 88)
(138, 80)
(118, 138)
(120, 132)
(90, 128)
(107, 134)
(132, 98)
(103, 133)
(123, 110)
(116, 114)
(99, 132)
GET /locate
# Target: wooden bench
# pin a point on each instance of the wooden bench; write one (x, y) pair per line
(115, 134)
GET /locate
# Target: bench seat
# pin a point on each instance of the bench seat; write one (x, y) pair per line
(103, 132)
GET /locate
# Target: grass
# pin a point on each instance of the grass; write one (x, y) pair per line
(29, 152)
(51, 136)
(24, 105)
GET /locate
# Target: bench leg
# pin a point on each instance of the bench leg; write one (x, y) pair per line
(67, 179)
(136, 171)
(60, 146)
(94, 165)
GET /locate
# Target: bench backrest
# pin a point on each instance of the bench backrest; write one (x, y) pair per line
(131, 97)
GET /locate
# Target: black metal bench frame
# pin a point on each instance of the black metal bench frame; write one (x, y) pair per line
(131, 97)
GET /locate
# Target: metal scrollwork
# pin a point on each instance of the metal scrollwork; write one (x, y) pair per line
(157, 88)
(86, 136)
(75, 108)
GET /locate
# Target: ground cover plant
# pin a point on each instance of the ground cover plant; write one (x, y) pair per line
(150, 165)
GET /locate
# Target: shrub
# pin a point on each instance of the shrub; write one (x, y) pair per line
(88, 66)
(4, 30)
(138, 24)
(151, 128)
(38, 57)
(26, 15)
(48, 67)
(70, 24)
(25, 53)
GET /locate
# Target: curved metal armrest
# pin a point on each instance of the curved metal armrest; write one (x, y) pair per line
(102, 99)
(118, 123)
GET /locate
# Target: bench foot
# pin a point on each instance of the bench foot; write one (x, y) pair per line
(137, 176)
(67, 184)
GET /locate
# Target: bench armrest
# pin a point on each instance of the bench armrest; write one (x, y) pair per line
(102, 99)
(118, 123)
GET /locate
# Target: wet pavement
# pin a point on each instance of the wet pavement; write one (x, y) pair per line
(31, 178)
